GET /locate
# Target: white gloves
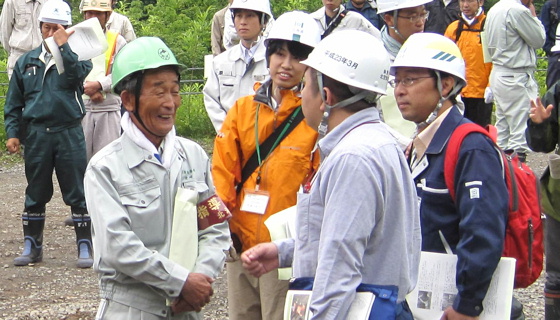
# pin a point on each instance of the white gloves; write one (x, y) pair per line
(488, 95)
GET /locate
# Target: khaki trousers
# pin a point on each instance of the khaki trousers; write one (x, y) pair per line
(251, 298)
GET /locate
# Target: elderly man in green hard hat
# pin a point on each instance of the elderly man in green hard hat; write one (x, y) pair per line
(159, 229)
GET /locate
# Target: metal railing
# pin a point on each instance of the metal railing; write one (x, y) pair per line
(187, 71)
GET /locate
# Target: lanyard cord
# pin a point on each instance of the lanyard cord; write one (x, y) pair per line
(280, 137)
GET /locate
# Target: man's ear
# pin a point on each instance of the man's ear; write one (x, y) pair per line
(329, 96)
(447, 85)
(388, 18)
(128, 100)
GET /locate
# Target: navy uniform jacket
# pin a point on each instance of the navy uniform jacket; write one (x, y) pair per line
(475, 225)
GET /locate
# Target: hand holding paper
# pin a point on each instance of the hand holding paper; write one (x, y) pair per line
(86, 39)
(61, 35)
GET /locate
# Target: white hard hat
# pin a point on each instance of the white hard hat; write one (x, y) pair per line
(56, 11)
(431, 51)
(255, 5)
(353, 57)
(392, 5)
(295, 26)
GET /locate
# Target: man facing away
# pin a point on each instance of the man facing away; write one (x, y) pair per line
(357, 226)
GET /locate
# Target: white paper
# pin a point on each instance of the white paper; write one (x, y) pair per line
(297, 305)
(87, 41)
(281, 225)
(436, 289)
(183, 248)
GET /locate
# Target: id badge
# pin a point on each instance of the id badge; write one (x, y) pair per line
(255, 201)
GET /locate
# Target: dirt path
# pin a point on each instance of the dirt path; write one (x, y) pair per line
(55, 289)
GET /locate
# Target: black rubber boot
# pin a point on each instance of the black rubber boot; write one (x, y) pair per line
(551, 304)
(82, 227)
(33, 225)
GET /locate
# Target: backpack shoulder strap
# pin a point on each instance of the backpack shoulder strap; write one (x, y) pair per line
(459, 30)
(452, 152)
(334, 23)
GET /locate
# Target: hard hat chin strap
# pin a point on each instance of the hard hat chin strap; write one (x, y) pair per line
(136, 113)
(432, 117)
(395, 24)
(323, 126)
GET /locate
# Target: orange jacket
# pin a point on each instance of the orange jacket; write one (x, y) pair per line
(470, 45)
(282, 172)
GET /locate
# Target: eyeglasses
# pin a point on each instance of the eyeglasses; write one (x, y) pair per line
(407, 82)
(415, 18)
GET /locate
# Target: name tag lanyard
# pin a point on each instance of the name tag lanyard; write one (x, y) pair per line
(280, 137)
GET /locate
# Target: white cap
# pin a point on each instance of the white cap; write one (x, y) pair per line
(295, 26)
(392, 5)
(353, 57)
(56, 11)
(255, 5)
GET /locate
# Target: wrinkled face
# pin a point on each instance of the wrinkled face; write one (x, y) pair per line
(311, 100)
(159, 101)
(331, 5)
(101, 15)
(48, 29)
(408, 21)
(247, 24)
(286, 70)
(469, 7)
(417, 101)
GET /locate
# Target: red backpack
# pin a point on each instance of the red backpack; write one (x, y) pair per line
(524, 233)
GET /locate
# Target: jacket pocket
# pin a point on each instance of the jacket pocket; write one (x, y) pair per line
(143, 203)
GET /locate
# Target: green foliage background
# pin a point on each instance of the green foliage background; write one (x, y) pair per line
(185, 26)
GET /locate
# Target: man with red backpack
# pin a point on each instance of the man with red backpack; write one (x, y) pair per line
(429, 74)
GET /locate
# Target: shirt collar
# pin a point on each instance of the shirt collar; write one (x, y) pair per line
(422, 141)
(327, 144)
(470, 21)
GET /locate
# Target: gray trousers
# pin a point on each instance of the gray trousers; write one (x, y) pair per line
(111, 310)
(513, 91)
(100, 129)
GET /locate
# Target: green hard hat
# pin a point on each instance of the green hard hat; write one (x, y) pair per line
(142, 54)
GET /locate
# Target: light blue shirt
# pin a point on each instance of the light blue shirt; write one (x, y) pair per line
(360, 221)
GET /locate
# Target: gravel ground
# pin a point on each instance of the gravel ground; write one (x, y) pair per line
(55, 289)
